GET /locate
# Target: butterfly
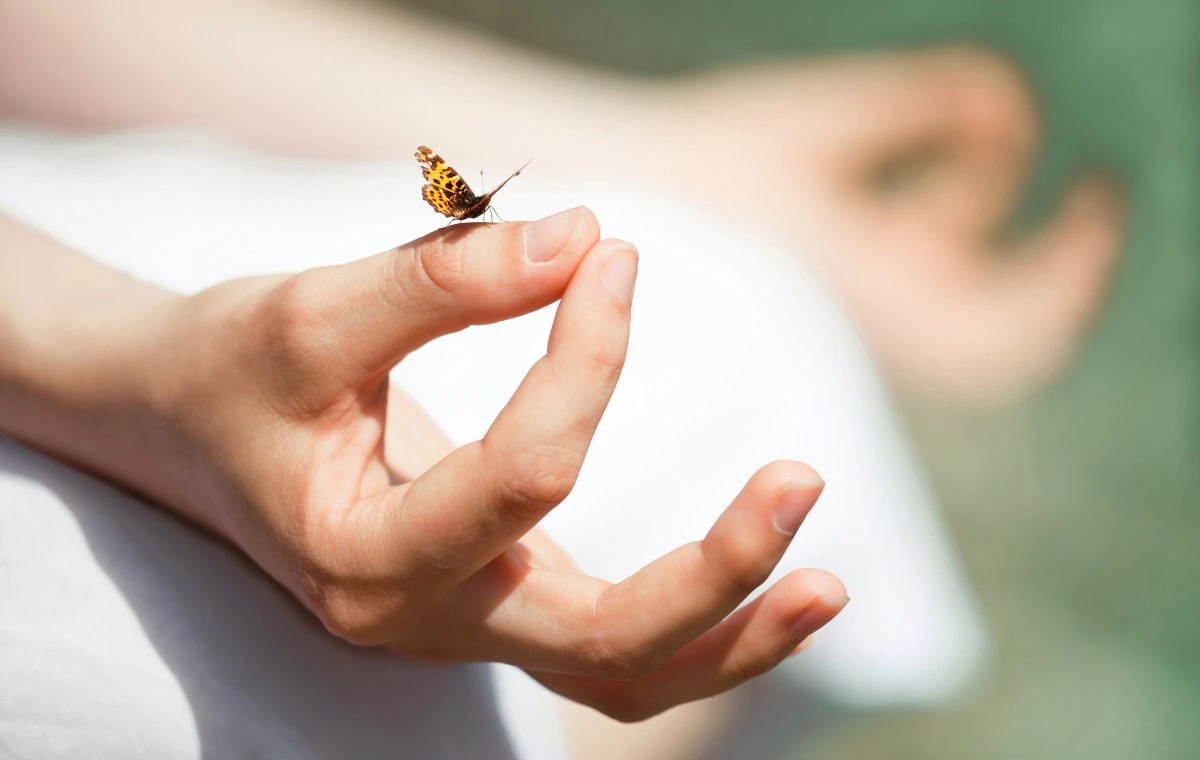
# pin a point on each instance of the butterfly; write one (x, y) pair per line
(448, 193)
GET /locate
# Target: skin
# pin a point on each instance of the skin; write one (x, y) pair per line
(260, 409)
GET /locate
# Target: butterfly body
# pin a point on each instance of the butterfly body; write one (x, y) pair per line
(448, 193)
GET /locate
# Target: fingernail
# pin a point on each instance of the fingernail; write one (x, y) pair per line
(794, 504)
(545, 238)
(619, 270)
(817, 613)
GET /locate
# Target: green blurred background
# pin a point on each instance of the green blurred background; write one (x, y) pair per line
(1077, 511)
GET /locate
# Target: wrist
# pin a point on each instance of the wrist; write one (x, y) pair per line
(76, 343)
(74, 386)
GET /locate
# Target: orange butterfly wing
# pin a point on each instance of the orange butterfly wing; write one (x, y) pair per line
(445, 191)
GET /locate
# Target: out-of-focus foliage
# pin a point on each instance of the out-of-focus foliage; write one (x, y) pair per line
(1078, 513)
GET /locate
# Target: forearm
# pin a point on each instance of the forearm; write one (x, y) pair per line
(74, 341)
(340, 80)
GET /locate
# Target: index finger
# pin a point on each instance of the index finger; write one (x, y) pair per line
(479, 500)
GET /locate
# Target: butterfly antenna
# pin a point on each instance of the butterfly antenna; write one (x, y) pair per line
(496, 189)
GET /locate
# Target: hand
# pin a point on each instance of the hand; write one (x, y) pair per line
(271, 421)
(798, 149)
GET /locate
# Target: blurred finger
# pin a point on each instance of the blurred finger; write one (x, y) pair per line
(980, 324)
(962, 115)
(1058, 283)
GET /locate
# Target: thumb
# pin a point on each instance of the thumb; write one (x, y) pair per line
(393, 303)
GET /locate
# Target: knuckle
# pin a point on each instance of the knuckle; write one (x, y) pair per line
(440, 268)
(605, 362)
(541, 478)
(743, 669)
(613, 666)
(747, 582)
(741, 561)
(299, 318)
(347, 617)
(617, 661)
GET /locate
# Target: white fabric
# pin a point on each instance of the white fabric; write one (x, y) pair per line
(126, 634)
(737, 358)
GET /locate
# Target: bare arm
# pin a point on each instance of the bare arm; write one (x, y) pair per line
(343, 80)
